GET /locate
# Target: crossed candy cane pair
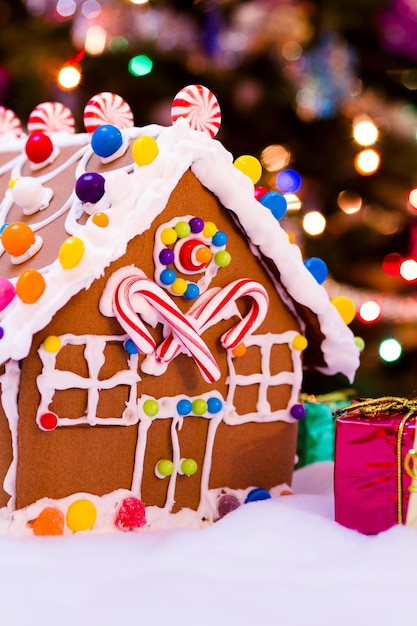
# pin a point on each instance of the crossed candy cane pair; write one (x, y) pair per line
(185, 330)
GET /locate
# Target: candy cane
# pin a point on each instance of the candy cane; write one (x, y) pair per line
(181, 328)
(211, 308)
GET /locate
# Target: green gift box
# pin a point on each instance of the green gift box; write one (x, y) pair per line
(316, 431)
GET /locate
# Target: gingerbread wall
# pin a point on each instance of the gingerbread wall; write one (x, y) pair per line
(100, 459)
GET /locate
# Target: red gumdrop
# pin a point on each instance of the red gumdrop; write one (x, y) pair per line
(131, 514)
(38, 147)
(227, 504)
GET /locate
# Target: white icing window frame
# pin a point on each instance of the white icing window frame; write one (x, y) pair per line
(94, 354)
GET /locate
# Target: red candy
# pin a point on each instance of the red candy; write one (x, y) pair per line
(227, 504)
(38, 147)
(131, 514)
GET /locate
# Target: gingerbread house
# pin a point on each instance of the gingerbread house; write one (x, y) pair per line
(156, 320)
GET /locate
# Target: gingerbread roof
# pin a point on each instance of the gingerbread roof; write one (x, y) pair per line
(137, 194)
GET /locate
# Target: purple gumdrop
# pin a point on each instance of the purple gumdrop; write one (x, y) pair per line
(196, 224)
(90, 187)
(227, 504)
(166, 256)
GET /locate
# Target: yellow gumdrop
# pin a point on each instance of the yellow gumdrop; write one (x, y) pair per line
(179, 286)
(168, 236)
(81, 515)
(71, 252)
(100, 219)
(299, 342)
(250, 166)
(144, 150)
(12, 182)
(52, 343)
(30, 286)
(345, 308)
(209, 229)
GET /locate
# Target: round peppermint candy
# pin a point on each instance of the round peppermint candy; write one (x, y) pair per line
(9, 123)
(199, 106)
(51, 117)
(107, 108)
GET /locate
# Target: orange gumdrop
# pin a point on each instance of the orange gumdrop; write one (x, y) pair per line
(240, 350)
(203, 254)
(51, 521)
(30, 286)
(17, 238)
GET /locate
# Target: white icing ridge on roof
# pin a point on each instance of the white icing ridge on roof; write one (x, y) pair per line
(137, 199)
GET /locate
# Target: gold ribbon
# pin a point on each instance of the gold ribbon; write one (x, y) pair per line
(390, 404)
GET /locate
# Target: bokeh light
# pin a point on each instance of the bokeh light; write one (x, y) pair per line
(288, 181)
(391, 263)
(367, 162)
(365, 132)
(408, 270)
(275, 157)
(349, 201)
(369, 312)
(69, 77)
(412, 198)
(140, 65)
(95, 40)
(314, 223)
(390, 350)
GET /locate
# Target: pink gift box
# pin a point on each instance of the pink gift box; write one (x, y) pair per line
(370, 482)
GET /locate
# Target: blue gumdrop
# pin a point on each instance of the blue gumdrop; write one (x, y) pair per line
(318, 268)
(106, 140)
(219, 239)
(130, 347)
(275, 202)
(184, 407)
(192, 291)
(167, 277)
(214, 405)
(257, 494)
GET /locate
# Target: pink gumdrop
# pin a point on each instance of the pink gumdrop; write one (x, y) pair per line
(227, 504)
(131, 514)
(7, 293)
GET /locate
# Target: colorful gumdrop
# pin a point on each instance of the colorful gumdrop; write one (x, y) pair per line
(7, 292)
(30, 286)
(345, 308)
(250, 166)
(89, 187)
(317, 268)
(71, 252)
(257, 494)
(50, 522)
(39, 147)
(131, 514)
(81, 515)
(144, 150)
(17, 238)
(276, 203)
(106, 141)
(226, 504)
(199, 106)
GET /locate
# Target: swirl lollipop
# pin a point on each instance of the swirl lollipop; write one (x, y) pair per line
(107, 108)
(51, 117)
(199, 106)
(9, 123)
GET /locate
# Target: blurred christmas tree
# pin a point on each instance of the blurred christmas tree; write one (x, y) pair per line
(326, 88)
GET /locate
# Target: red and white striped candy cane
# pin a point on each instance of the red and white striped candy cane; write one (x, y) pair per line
(210, 310)
(181, 328)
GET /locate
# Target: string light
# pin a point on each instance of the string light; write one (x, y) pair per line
(69, 77)
(367, 162)
(365, 132)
